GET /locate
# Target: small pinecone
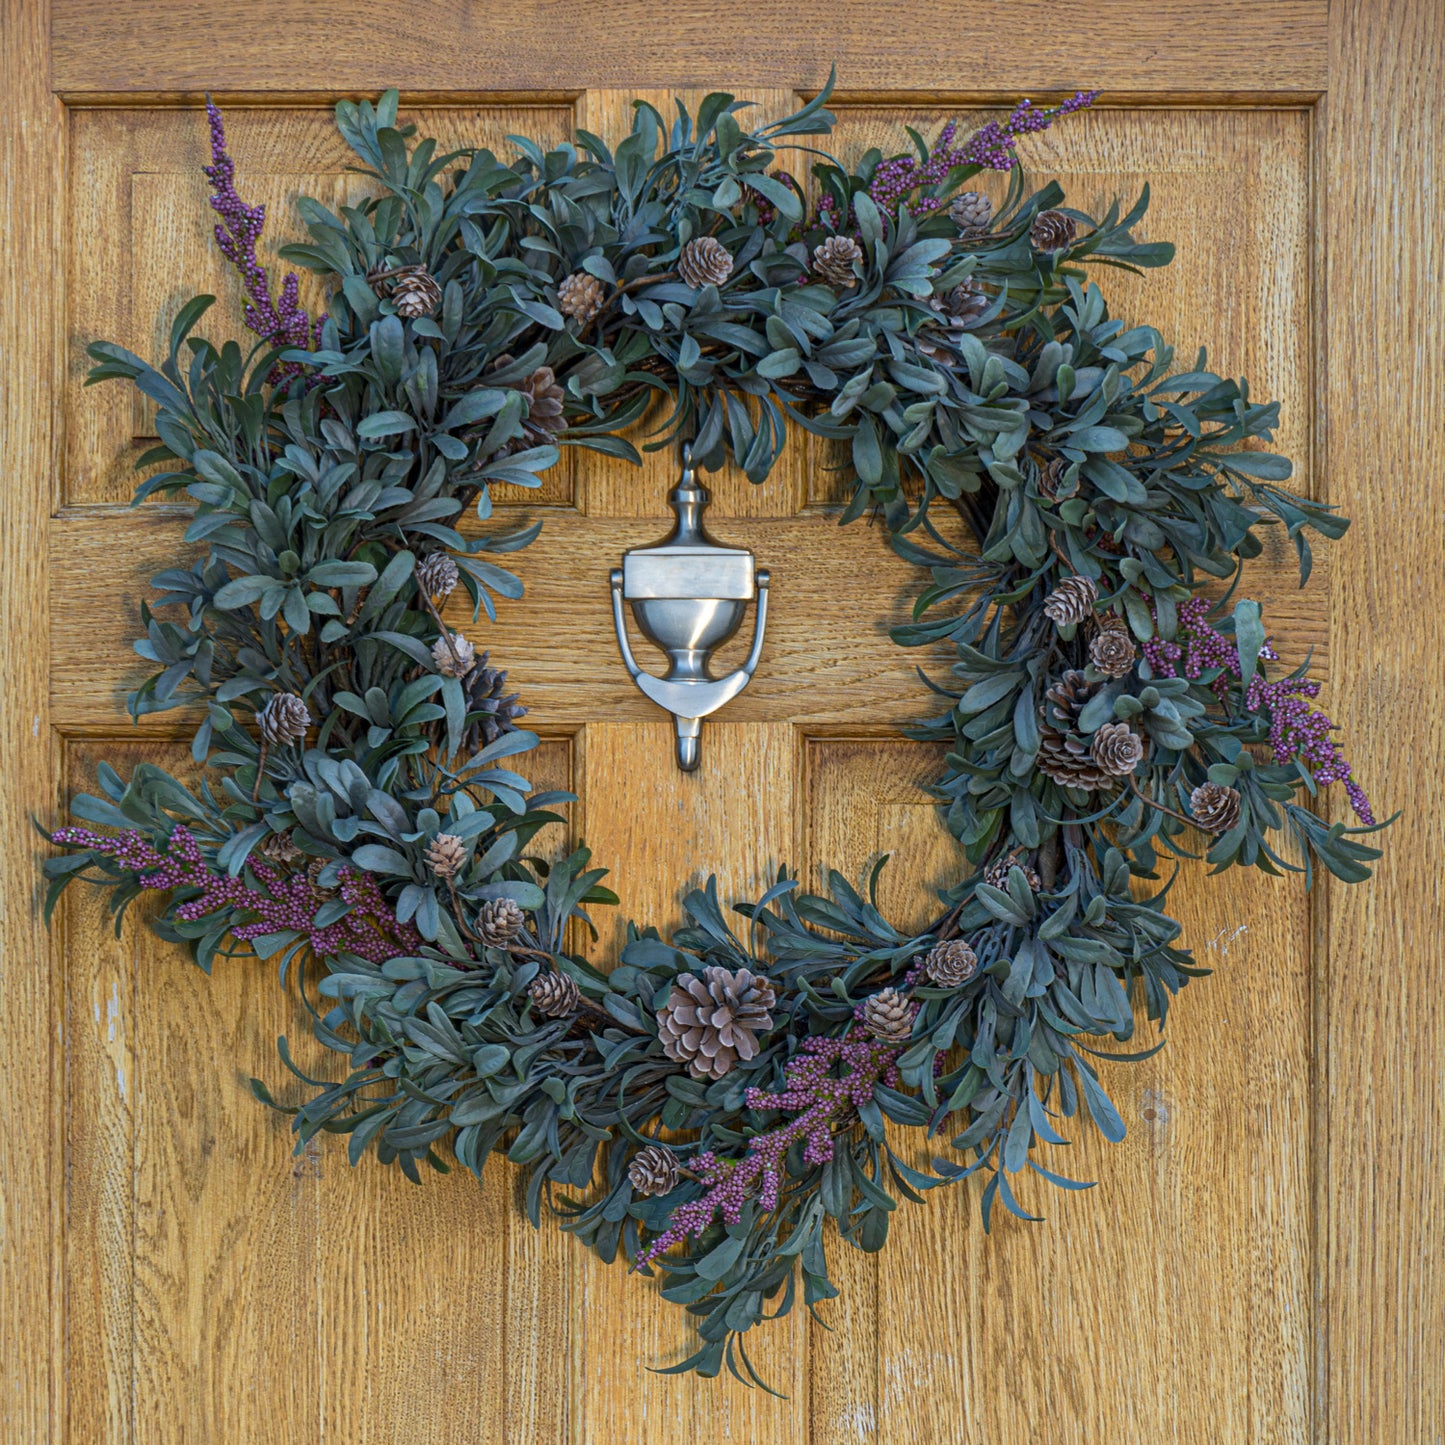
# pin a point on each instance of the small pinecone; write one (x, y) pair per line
(314, 869)
(709, 1023)
(579, 296)
(545, 405)
(445, 854)
(1112, 650)
(1071, 601)
(437, 575)
(653, 1170)
(497, 709)
(1214, 807)
(412, 289)
(971, 212)
(500, 921)
(1051, 477)
(889, 1016)
(997, 872)
(1117, 749)
(951, 964)
(456, 660)
(961, 306)
(833, 261)
(1052, 231)
(554, 994)
(1064, 753)
(279, 849)
(284, 719)
(704, 262)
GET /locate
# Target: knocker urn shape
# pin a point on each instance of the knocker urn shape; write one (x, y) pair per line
(689, 594)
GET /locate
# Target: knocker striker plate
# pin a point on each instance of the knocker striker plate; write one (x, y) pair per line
(688, 595)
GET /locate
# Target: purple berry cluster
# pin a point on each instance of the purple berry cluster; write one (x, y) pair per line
(819, 1096)
(1296, 730)
(990, 148)
(370, 930)
(283, 321)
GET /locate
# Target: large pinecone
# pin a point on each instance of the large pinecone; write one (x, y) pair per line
(1071, 601)
(971, 212)
(888, 1015)
(951, 964)
(445, 854)
(1112, 650)
(1117, 749)
(284, 719)
(497, 710)
(709, 1023)
(554, 994)
(458, 660)
(579, 296)
(1064, 752)
(704, 262)
(1052, 231)
(833, 260)
(1215, 807)
(653, 1170)
(500, 920)
(437, 575)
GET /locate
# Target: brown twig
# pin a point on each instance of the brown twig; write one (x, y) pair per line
(260, 773)
(445, 630)
(1155, 803)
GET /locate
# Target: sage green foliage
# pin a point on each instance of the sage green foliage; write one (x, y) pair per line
(316, 499)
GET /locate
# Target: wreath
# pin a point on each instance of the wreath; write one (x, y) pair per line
(706, 1105)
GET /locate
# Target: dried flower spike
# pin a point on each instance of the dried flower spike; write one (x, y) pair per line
(704, 262)
(653, 1170)
(554, 994)
(284, 719)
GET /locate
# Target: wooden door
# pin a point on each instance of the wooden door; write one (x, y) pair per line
(1260, 1260)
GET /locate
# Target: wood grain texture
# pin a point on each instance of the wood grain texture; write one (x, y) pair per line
(141, 246)
(1150, 46)
(827, 660)
(223, 1288)
(1197, 1232)
(1382, 1102)
(32, 1376)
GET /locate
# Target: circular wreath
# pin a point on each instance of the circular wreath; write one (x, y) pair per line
(710, 1102)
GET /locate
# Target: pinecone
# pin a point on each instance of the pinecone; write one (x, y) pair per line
(1051, 478)
(951, 964)
(500, 921)
(1117, 749)
(445, 855)
(709, 1023)
(284, 719)
(413, 289)
(997, 872)
(554, 994)
(279, 849)
(545, 405)
(1214, 807)
(1063, 753)
(1071, 601)
(579, 296)
(888, 1015)
(833, 261)
(498, 710)
(653, 1170)
(437, 575)
(1111, 649)
(456, 660)
(956, 310)
(704, 262)
(314, 870)
(971, 212)
(1052, 231)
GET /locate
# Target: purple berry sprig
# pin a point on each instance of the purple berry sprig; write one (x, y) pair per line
(281, 321)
